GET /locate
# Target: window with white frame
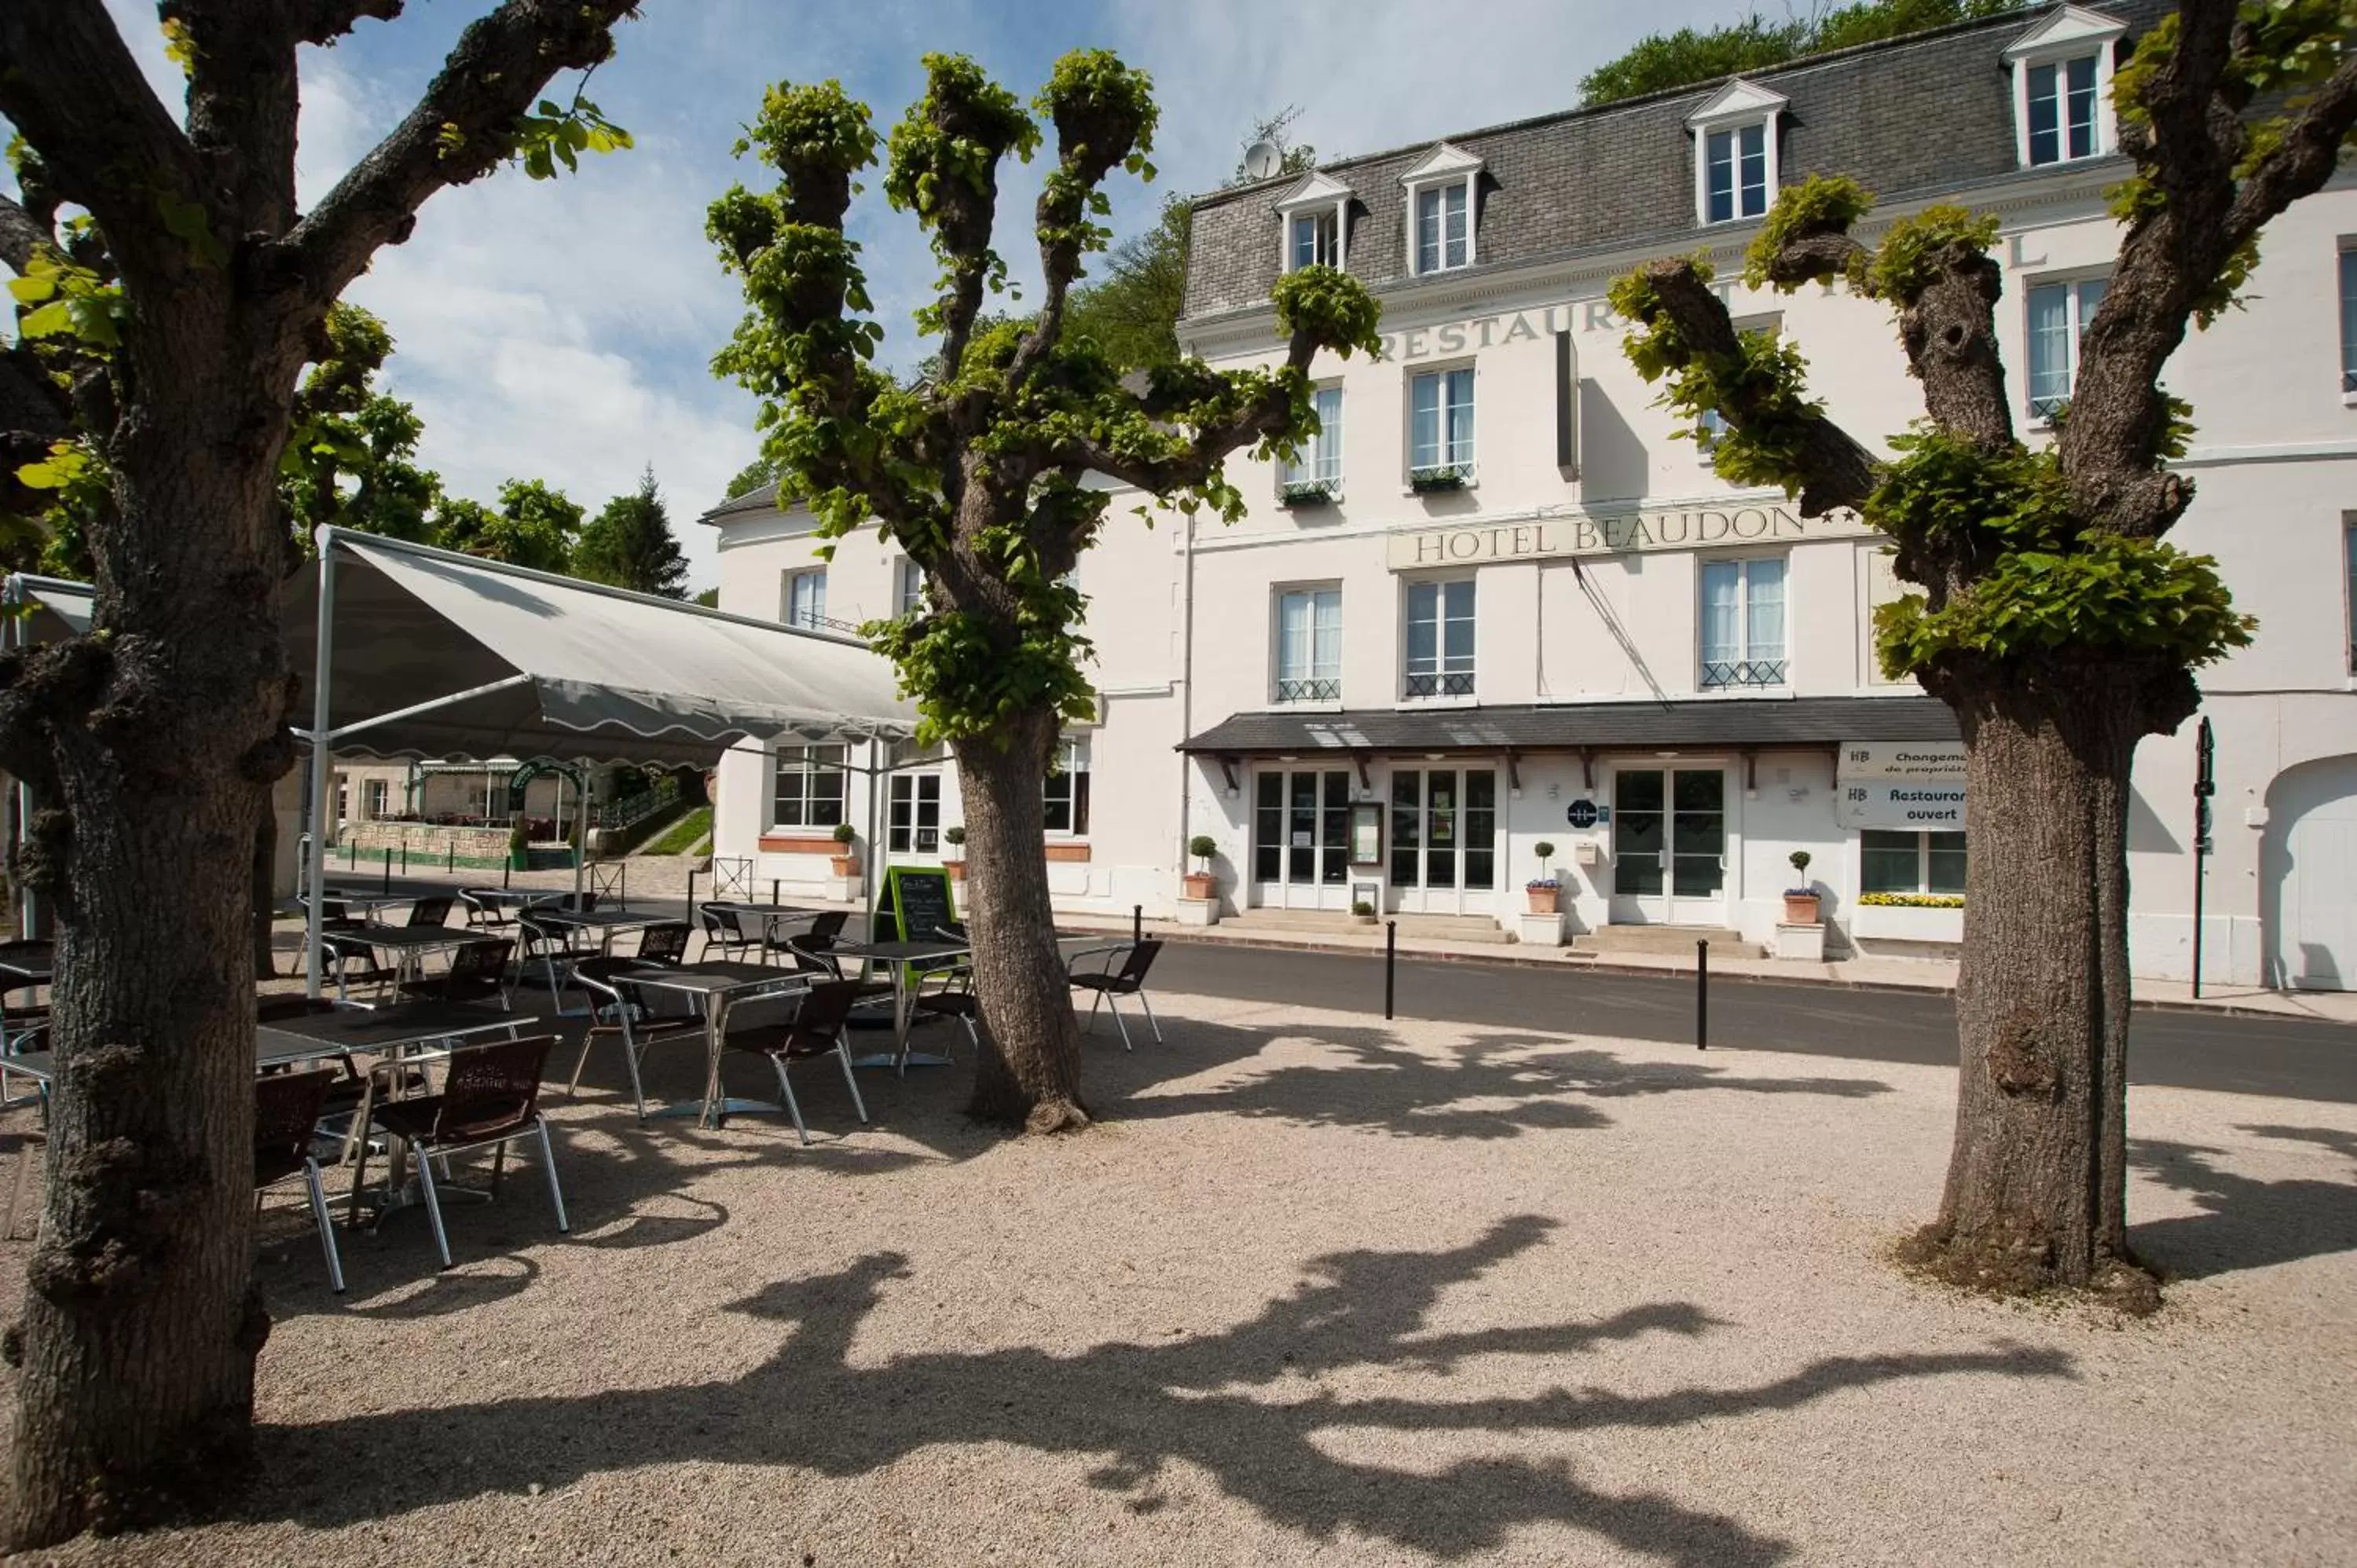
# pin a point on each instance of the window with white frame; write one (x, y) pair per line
(376, 796)
(809, 792)
(1911, 862)
(2059, 313)
(907, 589)
(1064, 798)
(1319, 466)
(805, 600)
(1442, 209)
(2062, 87)
(1742, 623)
(912, 815)
(1734, 152)
(1309, 645)
(1439, 640)
(1313, 220)
(2347, 318)
(1440, 423)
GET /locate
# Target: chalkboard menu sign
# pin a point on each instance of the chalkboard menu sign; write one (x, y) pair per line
(916, 900)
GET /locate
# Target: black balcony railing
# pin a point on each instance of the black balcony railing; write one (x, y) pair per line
(1449, 683)
(1309, 690)
(1717, 674)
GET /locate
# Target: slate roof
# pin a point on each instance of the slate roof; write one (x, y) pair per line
(1909, 117)
(1696, 724)
(763, 500)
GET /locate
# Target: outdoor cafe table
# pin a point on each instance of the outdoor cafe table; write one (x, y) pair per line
(715, 988)
(359, 903)
(907, 962)
(409, 944)
(771, 916)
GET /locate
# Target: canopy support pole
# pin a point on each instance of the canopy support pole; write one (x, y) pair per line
(323, 659)
(581, 828)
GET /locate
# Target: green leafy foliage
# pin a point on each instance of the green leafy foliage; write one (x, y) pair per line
(976, 469)
(556, 133)
(1821, 204)
(67, 300)
(1666, 60)
(350, 454)
(1914, 248)
(630, 544)
(533, 526)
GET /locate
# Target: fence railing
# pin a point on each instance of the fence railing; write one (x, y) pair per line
(632, 810)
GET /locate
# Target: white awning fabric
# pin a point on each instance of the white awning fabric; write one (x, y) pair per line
(57, 610)
(439, 655)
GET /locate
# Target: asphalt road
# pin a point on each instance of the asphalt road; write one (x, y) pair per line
(2234, 1054)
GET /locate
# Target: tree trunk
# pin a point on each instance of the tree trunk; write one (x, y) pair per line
(1030, 1072)
(140, 1322)
(2036, 1184)
(264, 892)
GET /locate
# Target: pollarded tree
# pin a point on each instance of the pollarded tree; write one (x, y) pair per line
(2053, 617)
(980, 471)
(160, 733)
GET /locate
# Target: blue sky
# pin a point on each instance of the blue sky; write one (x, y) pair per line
(563, 330)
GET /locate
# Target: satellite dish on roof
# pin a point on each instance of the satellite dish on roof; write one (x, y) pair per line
(1263, 160)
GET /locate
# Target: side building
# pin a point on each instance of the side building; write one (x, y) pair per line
(1502, 600)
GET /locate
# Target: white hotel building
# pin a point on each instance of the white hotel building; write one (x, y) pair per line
(1502, 602)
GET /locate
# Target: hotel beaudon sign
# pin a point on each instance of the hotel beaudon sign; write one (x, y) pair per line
(1699, 527)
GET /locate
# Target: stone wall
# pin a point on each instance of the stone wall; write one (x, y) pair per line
(427, 844)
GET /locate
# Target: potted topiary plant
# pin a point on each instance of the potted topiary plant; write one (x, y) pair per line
(1800, 903)
(1200, 883)
(956, 838)
(1544, 890)
(1363, 913)
(846, 863)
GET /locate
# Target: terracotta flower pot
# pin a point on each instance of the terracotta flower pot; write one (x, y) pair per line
(1544, 898)
(1800, 908)
(844, 864)
(956, 868)
(1200, 883)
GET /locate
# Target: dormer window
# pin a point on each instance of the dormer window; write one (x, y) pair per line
(1442, 205)
(1734, 152)
(1315, 219)
(2062, 87)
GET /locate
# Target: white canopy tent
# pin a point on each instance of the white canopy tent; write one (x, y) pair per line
(418, 653)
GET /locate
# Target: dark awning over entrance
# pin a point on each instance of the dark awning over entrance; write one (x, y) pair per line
(1708, 725)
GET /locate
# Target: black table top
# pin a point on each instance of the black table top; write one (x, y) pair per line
(377, 1028)
(607, 919)
(902, 953)
(415, 938)
(721, 974)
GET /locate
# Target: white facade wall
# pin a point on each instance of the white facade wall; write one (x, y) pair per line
(2275, 463)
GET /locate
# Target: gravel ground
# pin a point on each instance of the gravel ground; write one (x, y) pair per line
(1322, 1289)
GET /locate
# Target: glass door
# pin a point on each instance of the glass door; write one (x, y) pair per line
(1444, 840)
(912, 824)
(1669, 846)
(1301, 839)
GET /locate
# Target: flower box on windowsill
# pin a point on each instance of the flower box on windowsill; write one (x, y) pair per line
(1310, 493)
(1439, 480)
(1919, 921)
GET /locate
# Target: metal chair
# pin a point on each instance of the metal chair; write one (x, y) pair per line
(952, 998)
(722, 930)
(353, 961)
(544, 945)
(430, 912)
(817, 1027)
(1110, 984)
(617, 1014)
(16, 1021)
(287, 1110)
(664, 946)
(485, 909)
(478, 972)
(490, 1096)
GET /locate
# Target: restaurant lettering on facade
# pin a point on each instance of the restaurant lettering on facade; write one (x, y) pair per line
(1618, 534)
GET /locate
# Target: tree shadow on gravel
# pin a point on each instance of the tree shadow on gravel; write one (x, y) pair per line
(1260, 1406)
(2246, 1223)
(1491, 1084)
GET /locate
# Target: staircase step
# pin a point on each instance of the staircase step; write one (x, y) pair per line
(1429, 927)
(1605, 940)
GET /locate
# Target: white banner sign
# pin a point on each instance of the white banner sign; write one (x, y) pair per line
(1903, 804)
(1940, 761)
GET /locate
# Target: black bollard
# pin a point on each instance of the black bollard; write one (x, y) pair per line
(450, 854)
(1702, 994)
(404, 857)
(1136, 923)
(388, 868)
(773, 890)
(1390, 961)
(689, 913)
